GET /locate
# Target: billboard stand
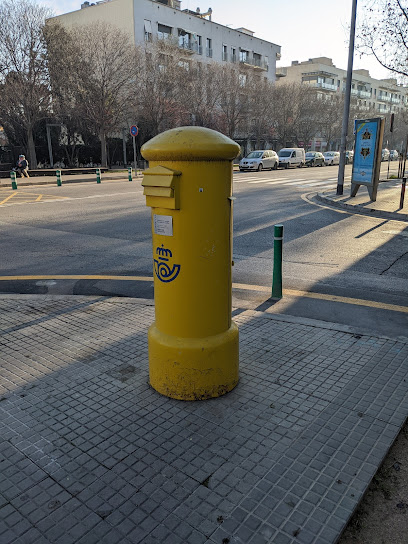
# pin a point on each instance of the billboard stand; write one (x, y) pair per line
(367, 155)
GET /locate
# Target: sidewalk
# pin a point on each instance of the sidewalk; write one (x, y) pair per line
(89, 453)
(75, 178)
(386, 206)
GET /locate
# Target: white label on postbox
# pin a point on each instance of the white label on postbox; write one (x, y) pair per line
(163, 224)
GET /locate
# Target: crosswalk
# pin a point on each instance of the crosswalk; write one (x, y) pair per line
(298, 182)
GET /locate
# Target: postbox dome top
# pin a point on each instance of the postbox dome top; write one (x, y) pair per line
(188, 144)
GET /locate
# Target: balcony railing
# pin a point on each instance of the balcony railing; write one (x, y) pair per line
(384, 98)
(255, 63)
(395, 100)
(322, 85)
(188, 46)
(364, 94)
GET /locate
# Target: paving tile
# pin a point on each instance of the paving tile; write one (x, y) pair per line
(89, 453)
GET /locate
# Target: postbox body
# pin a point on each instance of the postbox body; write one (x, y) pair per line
(193, 343)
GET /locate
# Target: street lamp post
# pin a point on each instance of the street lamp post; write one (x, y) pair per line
(347, 95)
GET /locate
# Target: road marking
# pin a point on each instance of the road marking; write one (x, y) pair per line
(241, 286)
(292, 181)
(75, 277)
(330, 298)
(38, 198)
(8, 198)
(395, 232)
(263, 180)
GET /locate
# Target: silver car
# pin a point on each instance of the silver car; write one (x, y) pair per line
(260, 160)
(331, 157)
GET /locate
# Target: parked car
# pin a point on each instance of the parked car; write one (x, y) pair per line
(385, 154)
(349, 156)
(331, 157)
(314, 158)
(394, 155)
(260, 160)
(292, 156)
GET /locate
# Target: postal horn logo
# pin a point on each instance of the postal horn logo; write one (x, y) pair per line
(162, 268)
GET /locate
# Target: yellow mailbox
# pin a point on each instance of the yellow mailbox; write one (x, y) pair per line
(193, 343)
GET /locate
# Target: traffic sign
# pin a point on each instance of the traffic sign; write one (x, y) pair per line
(134, 131)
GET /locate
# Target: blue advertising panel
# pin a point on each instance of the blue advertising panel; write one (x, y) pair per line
(366, 151)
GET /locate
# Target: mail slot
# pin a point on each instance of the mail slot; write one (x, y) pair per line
(161, 187)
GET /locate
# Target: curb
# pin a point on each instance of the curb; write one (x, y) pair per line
(286, 318)
(356, 208)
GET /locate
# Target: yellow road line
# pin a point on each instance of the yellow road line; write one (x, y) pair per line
(75, 277)
(38, 198)
(242, 286)
(330, 298)
(8, 198)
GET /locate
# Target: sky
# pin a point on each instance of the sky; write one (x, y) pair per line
(318, 28)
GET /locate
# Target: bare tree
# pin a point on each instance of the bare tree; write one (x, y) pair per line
(202, 92)
(384, 34)
(65, 74)
(93, 77)
(161, 82)
(285, 112)
(308, 119)
(260, 110)
(233, 102)
(24, 87)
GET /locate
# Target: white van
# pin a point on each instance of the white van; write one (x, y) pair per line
(292, 156)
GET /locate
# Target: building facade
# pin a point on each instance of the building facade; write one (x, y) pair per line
(384, 96)
(194, 32)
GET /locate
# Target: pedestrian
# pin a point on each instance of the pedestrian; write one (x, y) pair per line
(22, 166)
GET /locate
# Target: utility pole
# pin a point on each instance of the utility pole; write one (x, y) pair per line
(347, 95)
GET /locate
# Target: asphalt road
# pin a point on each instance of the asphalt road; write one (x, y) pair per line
(338, 267)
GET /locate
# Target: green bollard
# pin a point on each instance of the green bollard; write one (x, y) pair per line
(130, 173)
(277, 261)
(13, 180)
(98, 175)
(59, 182)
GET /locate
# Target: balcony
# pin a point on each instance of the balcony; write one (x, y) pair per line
(322, 85)
(364, 94)
(384, 98)
(395, 100)
(255, 63)
(188, 46)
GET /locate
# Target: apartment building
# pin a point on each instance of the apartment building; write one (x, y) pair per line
(385, 96)
(195, 32)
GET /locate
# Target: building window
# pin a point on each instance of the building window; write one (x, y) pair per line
(148, 34)
(242, 78)
(257, 59)
(267, 63)
(199, 44)
(233, 54)
(224, 52)
(243, 55)
(184, 64)
(184, 39)
(208, 47)
(163, 32)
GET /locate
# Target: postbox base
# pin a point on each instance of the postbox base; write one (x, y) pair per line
(193, 368)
